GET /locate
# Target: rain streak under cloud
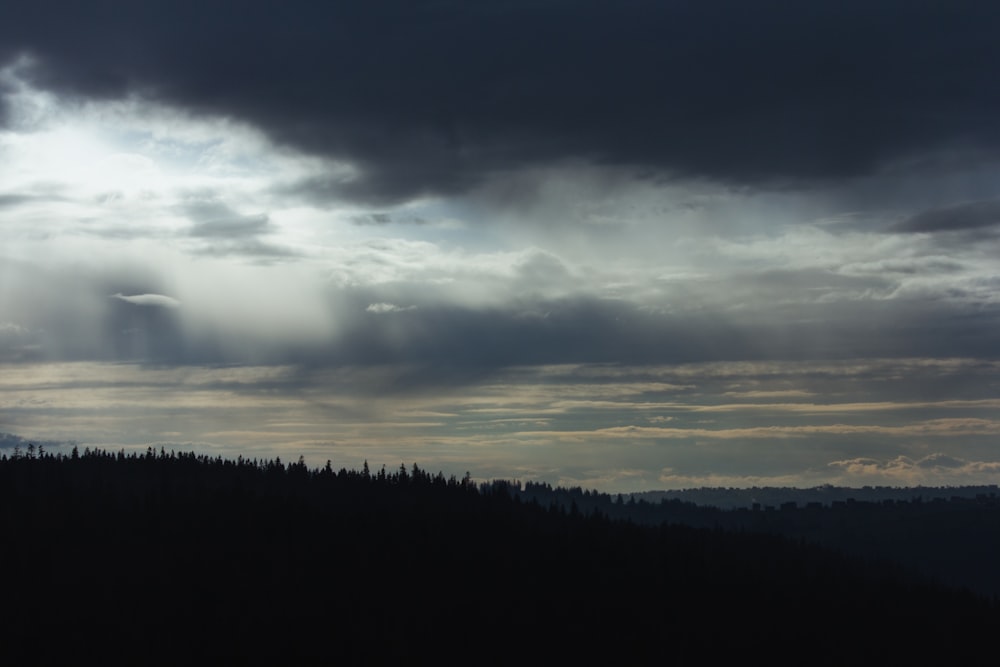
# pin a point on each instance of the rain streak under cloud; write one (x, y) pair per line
(727, 246)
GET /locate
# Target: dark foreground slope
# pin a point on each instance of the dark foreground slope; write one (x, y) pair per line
(164, 558)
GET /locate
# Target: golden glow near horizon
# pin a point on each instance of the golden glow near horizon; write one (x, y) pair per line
(518, 425)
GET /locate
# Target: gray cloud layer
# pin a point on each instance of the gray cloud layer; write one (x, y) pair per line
(964, 216)
(435, 97)
(603, 241)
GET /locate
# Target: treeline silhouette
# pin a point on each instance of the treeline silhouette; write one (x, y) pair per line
(167, 557)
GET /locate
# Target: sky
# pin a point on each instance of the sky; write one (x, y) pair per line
(621, 245)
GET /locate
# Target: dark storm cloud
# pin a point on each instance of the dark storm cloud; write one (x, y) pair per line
(435, 97)
(964, 216)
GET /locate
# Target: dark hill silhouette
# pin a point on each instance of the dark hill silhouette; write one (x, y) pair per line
(164, 558)
(949, 534)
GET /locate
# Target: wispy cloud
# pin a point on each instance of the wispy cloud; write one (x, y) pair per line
(157, 300)
(934, 469)
(387, 308)
(937, 427)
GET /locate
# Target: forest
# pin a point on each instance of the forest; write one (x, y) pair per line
(162, 557)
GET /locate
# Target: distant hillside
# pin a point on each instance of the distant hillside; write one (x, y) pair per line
(162, 558)
(949, 534)
(732, 498)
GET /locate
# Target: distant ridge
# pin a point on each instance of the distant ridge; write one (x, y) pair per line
(735, 498)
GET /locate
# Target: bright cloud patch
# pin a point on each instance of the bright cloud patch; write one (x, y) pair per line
(387, 308)
(159, 300)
